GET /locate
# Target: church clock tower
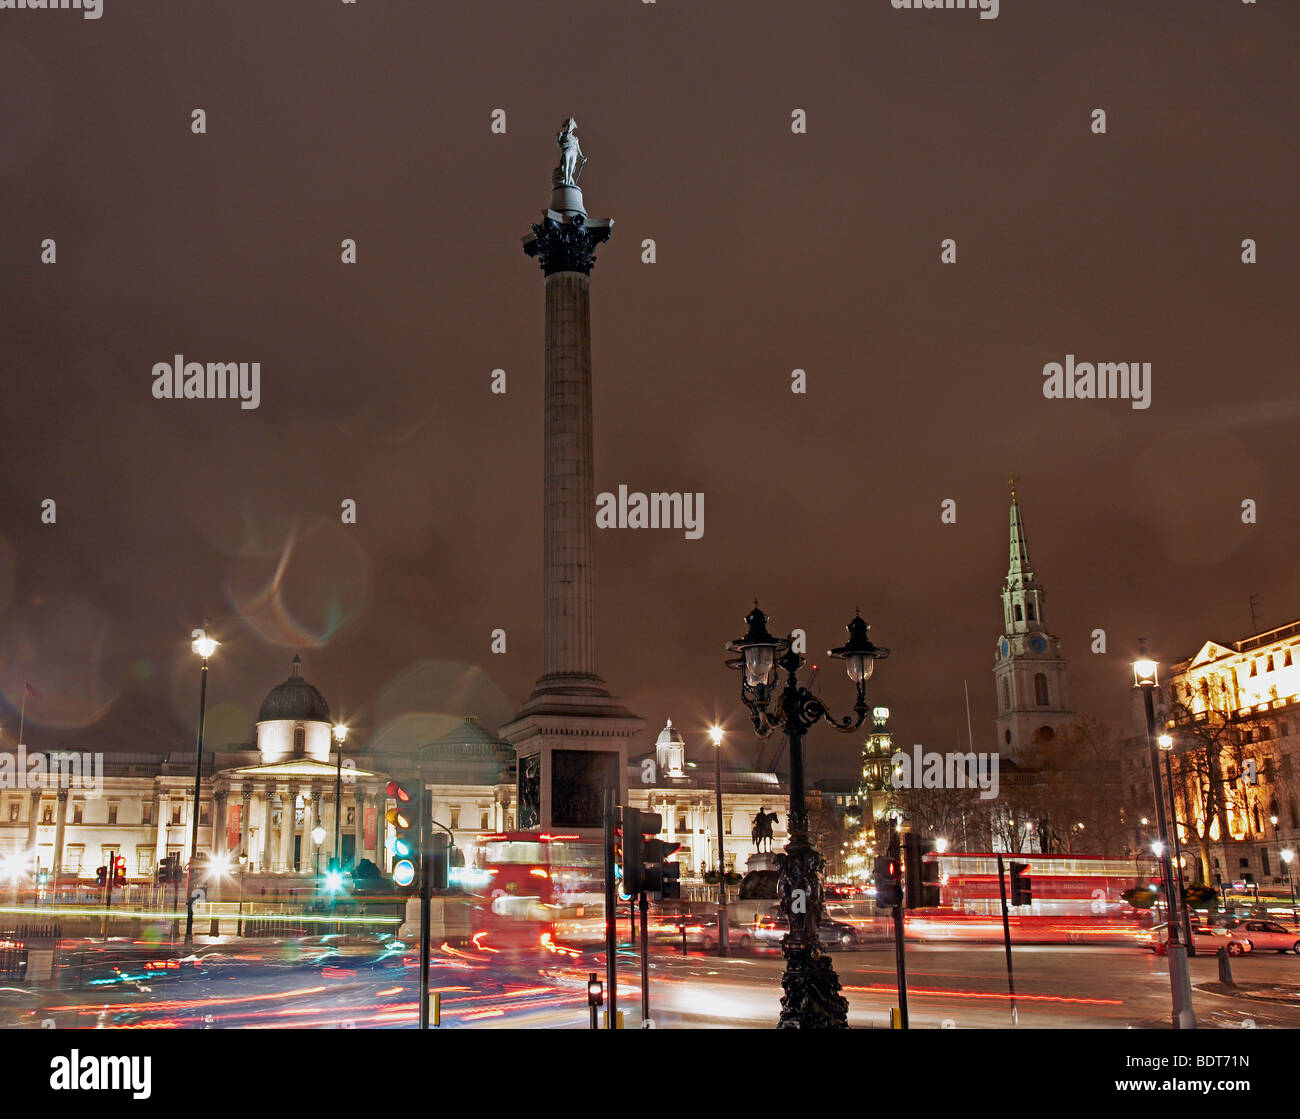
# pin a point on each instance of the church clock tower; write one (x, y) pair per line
(1029, 671)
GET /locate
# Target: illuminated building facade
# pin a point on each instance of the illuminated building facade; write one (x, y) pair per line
(684, 793)
(1234, 716)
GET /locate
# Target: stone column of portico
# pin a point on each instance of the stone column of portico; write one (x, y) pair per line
(33, 818)
(160, 826)
(288, 827)
(358, 824)
(220, 821)
(310, 814)
(60, 825)
(266, 850)
(245, 812)
(377, 852)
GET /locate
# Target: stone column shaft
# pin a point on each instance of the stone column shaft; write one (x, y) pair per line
(569, 508)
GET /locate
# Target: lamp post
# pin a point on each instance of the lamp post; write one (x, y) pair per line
(340, 736)
(1166, 744)
(1145, 676)
(715, 734)
(812, 997)
(239, 913)
(1287, 855)
(318, 837)
(204, 646)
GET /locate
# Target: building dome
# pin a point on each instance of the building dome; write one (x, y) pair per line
(670, 751)
(295, 700)
(467, 754)
(669, 736)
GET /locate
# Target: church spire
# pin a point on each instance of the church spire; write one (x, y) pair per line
(1020, 571)
(1029, 671)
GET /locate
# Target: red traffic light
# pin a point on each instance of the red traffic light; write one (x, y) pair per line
(399, 794)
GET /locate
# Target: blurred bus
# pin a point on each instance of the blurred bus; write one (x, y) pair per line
(1076, 899)
(538, 887)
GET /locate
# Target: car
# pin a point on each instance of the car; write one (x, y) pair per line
(1206, 939)
(1267, 935)
(772, 929)
(701, 929)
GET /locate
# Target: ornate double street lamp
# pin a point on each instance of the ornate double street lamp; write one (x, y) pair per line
(1145, 677)
(812, 998)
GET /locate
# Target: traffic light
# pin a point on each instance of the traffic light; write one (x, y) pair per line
(889, 883)
(1022, 886)
(404, 818)
(101, 877)
(119, 871)
(662, 879)
(439, 861)
(922, 878)
(637, 825)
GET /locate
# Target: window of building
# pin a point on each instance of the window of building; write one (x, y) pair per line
(107, 853)
(112, 814)
(73, 854)
(146, 812)
(1254, 668)
(143, 862)
(1286, 658)
(1006, 693)
(1263, 860)
(1019, 615)
(1031, 613)
(178, 811)
(1244, 862)
(1007, 738)
(78, 809)
(299, 739)
(205, 815)
(483, 824)
(14, 808)
(1040, 689)
(1268, 667)
(455, 824)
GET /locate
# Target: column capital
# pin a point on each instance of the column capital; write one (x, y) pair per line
(567, 245)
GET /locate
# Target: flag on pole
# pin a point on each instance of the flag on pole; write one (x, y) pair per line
(29, 692)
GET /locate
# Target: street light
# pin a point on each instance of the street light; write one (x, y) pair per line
(715, 735)
(812, 997)
(318, 837)
(340, 736)
(204, 646)
(1184, 1018)
(1287, 855)
(243, 865)
(1166, 744)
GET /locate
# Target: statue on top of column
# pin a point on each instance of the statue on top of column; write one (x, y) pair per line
(571, 158)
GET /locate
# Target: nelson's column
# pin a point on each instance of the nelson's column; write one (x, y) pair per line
(571, 736)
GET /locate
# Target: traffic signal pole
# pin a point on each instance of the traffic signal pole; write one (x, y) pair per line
(426, 884)
(1006, 939)
(645, 962)
(899, 956)
(611, 913)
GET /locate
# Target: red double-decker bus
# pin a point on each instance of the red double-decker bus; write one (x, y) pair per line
(1076, 899)
(547, 886)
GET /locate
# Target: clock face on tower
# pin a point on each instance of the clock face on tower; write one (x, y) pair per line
(1037, 644)
(1005, 648)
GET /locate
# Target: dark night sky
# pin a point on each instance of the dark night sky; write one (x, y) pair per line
(775, 251)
